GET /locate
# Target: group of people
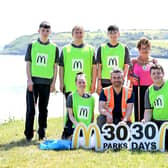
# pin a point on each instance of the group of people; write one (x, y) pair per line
(79, 71)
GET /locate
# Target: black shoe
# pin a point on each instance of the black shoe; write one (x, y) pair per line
(28, 139)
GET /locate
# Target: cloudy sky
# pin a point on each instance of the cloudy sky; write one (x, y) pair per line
(20, 17)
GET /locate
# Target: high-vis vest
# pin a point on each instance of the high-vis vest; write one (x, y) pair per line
(111, 57)
(43, 60)
(126, 94)
(159, 102)
(77, 60)
(83, 108)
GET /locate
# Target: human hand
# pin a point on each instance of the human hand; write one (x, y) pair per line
(30, 85)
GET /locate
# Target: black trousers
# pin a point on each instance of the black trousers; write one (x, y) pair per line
(141, 97)
(41, 92)
(68, 130)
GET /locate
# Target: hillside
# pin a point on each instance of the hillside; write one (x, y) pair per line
(159, 39)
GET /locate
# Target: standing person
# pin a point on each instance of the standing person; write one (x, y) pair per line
(115, 101)
(80, 105)
(141, 69)
(156, 98)
(76, 57)
(41, 68)
(110, 55)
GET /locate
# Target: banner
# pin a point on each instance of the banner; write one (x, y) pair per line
(139, 137)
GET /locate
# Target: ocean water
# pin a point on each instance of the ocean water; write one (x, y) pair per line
(13, 89)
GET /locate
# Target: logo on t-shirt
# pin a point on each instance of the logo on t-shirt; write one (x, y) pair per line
(41, 59)
(112, 61)
(159, 102)
(77, 65)
(83, 112)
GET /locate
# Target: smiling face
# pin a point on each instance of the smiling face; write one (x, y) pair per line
(144, 50)
(113, 35)
(78, 34)
(117, 79)
(81, 83)
(157, 76)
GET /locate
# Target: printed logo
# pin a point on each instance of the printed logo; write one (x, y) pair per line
(77, 65)
(112, 61)
(83, 112)
(159, 102)
(41, 59)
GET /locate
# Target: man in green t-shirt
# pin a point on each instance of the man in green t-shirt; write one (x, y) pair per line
(111, 55)
(76, 57)
(41, 68)
(156, 98)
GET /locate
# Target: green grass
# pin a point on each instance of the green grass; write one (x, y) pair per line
(15, 152)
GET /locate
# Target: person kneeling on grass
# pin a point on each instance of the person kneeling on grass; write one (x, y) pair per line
(115, 101)
(80, 105)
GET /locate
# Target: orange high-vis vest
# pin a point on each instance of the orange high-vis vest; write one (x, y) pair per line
(126, 94)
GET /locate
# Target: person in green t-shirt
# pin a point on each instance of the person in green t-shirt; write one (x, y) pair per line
(156, 98)
(76, 57)
(41, 58)
(80, 105)
(110, 55)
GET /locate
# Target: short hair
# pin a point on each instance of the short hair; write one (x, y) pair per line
(78, 74)
(113, 28)
(117, 70)
(45, 24)
(157, 66)
(77, 27)
(143, 41)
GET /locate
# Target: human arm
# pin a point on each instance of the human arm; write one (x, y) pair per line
(148, 108)
(99, 66)
(61, 72)
(28, 68)
(94, 72)
(71, 116)
(52, 87)
(29, 78)
(94, 75)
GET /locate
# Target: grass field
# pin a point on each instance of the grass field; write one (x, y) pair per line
(15, 152)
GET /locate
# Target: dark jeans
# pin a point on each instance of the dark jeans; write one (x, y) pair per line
(68, 130)
(41, 92)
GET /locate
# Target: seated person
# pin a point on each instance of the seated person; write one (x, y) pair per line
(115, 101)
(80, 105)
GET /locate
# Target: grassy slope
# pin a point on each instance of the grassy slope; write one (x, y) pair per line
(16, 152)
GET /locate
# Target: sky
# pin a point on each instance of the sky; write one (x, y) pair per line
(22, 17)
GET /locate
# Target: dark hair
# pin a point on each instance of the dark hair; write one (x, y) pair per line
(113, 28)
(78, 74)
(45, 24)
(143, 41)
(117, 70)
(157, 66)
